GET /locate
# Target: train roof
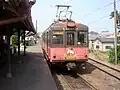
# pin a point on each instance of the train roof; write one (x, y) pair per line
(60, 25)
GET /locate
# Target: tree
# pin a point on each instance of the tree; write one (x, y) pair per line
(14, 40)
(118, 18)
(112, 53)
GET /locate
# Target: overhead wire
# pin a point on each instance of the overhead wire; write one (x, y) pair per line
(69, 1)
(98, 9)
(101, 18)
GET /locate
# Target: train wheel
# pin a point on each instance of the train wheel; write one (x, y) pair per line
(81, 65)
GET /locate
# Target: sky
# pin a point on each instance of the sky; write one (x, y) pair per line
(94, 13)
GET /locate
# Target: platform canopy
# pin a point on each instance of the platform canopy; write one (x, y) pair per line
(16, 14)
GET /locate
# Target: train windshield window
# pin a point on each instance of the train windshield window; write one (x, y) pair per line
(57, 39)
(70, 38)
(82, 37)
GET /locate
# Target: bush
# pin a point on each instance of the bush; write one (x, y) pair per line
(112, 54)
(26, 43)
(14, 41)
(90, 51)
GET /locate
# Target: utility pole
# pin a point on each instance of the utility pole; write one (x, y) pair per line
(36, 25)
(115, 27)
(36, 32)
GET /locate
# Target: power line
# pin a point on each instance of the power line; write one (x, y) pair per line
(98, 9)
(101, 18)
(69, 1)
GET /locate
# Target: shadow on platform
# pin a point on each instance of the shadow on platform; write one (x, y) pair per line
(25, 74)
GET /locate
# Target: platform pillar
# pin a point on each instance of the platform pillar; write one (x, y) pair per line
(9, 74)
(19, 46)
(24, 43)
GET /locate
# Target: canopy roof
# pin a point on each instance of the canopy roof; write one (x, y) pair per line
(16, 14)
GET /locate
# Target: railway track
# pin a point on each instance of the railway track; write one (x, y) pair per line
(105, 68)
(67, 85)
(88, 83)
(71, 83)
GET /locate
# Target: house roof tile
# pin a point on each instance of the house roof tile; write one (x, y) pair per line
(106, 40)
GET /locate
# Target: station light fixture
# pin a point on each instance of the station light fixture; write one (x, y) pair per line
(6, 0)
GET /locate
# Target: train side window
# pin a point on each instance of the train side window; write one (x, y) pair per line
(82, 37)
(57, 39)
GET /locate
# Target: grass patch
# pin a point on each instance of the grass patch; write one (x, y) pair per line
(103, 56)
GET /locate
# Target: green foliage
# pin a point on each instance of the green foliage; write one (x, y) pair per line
(90, 51)
(111, 54)
(25, 44)
(118, 18)
(14, 41)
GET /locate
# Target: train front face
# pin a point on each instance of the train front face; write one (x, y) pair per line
(69, 46)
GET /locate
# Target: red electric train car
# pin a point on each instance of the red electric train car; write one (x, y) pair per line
(66, 41)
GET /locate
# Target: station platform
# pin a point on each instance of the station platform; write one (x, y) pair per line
(32, 74)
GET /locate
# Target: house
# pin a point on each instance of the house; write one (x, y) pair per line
(92, 36)
(105, 34)
(113, 35)
(101, 44)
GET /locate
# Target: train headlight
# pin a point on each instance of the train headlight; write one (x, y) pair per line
(54, 56)
(86, 56)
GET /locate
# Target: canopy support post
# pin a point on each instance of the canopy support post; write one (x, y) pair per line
(9, 74)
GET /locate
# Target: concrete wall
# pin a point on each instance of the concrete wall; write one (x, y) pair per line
(91, 43)
(107, 44)
(98, 43)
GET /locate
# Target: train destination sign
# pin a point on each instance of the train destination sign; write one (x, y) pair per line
(57, 32)
(68, 28)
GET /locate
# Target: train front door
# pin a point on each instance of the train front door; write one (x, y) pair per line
(69, 45)
(69, 38)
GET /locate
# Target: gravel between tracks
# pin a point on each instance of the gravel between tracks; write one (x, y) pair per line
(75, 83)
(100, 79)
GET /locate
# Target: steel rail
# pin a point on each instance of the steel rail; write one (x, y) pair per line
(89, 84)
(104, 65)
(66, 82)
(105, 71)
